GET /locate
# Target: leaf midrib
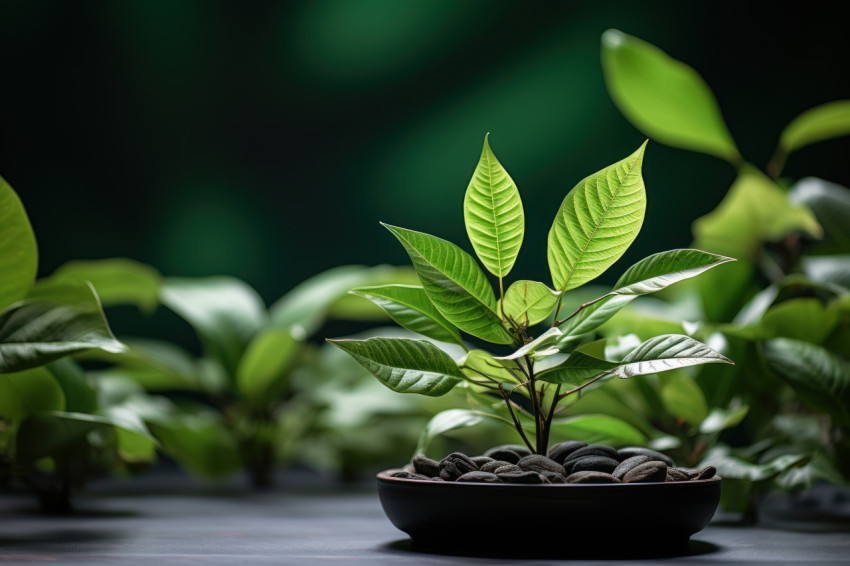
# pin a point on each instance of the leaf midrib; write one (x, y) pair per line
(601, 220)
(493, 212)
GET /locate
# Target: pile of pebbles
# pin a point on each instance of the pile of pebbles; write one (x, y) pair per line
(567, 462)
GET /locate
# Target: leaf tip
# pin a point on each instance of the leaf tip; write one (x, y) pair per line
(613, 38)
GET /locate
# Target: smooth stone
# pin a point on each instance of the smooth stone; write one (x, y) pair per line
(648, 452)
(495, 465)
(628, 465)
(481, 460)
(405, 475)
(675, 474)
(482, 477)
(508, 469)
(540, 464)
(591, 477)
(518, 448)
(455, 465)
(554, 477)
(522, 477)
(592, 450)
(426, 466)
(561, 451)
(602, 464)
(652, 471)
(503, 455)
(705, 473)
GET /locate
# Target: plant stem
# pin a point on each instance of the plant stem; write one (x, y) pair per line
(776, 163)
(558, 323)
(516, 420)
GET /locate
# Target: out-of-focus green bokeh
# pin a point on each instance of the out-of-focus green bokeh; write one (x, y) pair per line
(265, 140)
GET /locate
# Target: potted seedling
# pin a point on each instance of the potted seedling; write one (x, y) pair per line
(569, 486)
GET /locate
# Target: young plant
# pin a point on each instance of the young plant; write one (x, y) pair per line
(595, 224)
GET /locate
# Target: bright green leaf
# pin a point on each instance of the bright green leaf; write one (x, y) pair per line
(529, 302)
(455, 284)
(477, 362)
(820, 123)
(55, 320)
(405, 366)
(598, 429)
(117, 281)
(683, 399)
(492, 209)
(664, 98)
(409, 306)
(18, 252)
(597, 221)
(801, 319)
(29, 392)
(265, 361)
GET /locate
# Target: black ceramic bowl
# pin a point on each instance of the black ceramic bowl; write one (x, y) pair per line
(469, 516)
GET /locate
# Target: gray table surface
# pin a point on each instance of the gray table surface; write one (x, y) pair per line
(308, 524)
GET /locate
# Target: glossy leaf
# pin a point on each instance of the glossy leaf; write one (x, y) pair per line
(492, 210)
(664, 98)
(29, 392)
(410, 307)
(721, 419)
(830, 204)
(477, 362)
(819, 377)
(405, 366)
(537, 346)
(55, 320)
(598, 429)
(265, 362)
(80, 395)
(577, 370)
(305, 307)
(117, 281)
(683, 399)
(225, 312)
(820, 123)
(597, 221)
(455, 284)
(18, 252)
(444, 422)
(529, 302)
(731, 467)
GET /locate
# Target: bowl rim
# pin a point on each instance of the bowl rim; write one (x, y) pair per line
(386, 477)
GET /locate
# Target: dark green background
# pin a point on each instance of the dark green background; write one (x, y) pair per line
(266, 140)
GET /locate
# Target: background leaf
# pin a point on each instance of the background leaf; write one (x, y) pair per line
(830, 204)
(597, 221)
(410, 307)
(445, 421)
(117, 281)
(29, 392)
(405, 366)
(664, 98)
(683, 398)
(529, 302)
(493, 213)
(18, 252)
(820, 123)
(598, 429)
(265, 361)
(55, 320)
(454, 283)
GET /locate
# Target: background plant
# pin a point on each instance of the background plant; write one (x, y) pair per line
(595, 224)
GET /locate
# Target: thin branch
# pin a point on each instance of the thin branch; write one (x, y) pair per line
(578, 310)
(517, 423)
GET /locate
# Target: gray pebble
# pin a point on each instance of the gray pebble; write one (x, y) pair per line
(540, 464)
(518, 448)
(591, 477)
(592, 450)
(552, 477)
(504, 455)
(481, 477)
(495, 465)
(628, 465)
(508, 469)
(426, 466)
(455, 465)
(652, 471)
(675, 474)
(559, 452)
(641, 451)
(522, 477)
(705, 473)
(481, 460)
(602, 464)
(405, 475)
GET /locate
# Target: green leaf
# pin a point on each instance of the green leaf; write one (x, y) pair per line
(266, 360)
(444, 422)
(117, 281)
(529, 302)
(409, 306)
(305, 307)
(801, 319)
(649, 275)
(730, 467)
(537, 346)
(351, 307)
(755, 210)
(80, 395)
(721, 419)
(579, 369)
(225, 312)
(55, 320)
(454, 283)
(664, 98)
(405, 366)
(820, 378)
(598, 429)
(18, 251)
(598, 220)
(477, 362)
(833, 270)
(820, 123)
(683, 399)
(492, 210)
(29, 392)
(830, 204)
(818, 469)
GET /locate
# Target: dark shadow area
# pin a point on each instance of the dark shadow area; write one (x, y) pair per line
(621, 551)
